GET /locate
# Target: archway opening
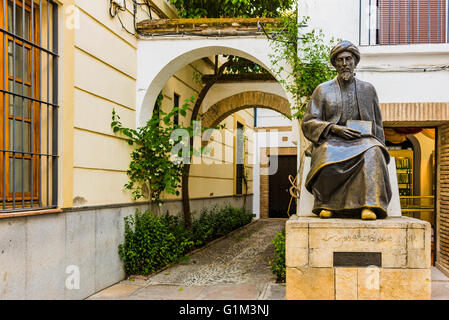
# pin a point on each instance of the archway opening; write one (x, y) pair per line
(181, 53)
(414, 150)
(222, 179)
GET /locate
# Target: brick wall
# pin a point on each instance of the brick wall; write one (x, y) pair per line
(442, 239)
(250, 99)
(415, 111)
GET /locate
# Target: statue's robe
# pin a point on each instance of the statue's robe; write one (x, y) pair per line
(346, 175)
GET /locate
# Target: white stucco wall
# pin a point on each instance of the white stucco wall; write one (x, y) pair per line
(393, 69)
(398, 74)
(336, 18)
(270, 118)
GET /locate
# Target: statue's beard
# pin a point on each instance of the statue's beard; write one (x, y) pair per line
(347, 75)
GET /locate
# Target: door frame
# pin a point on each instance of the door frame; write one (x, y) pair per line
(264, 178)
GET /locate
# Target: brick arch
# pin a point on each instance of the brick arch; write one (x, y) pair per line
(249, 99)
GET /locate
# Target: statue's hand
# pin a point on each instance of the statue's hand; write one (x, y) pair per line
(345, 132)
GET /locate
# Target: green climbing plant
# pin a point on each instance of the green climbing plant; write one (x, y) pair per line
(152, 170)
(159, 156)
(307, 56)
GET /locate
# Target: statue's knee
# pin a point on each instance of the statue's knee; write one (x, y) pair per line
(374, 153)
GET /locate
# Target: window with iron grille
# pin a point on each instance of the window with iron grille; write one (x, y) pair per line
(28, 105)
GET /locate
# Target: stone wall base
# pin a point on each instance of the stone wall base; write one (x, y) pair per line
(352, 259)
(357, 284)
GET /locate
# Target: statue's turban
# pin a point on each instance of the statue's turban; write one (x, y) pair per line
(343, 46)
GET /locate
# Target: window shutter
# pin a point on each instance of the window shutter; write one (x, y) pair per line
(411, 21)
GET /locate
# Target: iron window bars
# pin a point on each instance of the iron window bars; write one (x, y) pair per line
(28, 105)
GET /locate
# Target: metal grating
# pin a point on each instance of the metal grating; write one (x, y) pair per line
(28, 105)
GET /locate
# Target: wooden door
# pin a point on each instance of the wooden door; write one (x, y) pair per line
(279, 196)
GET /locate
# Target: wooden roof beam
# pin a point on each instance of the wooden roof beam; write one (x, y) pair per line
(240, 77)
(205, 26)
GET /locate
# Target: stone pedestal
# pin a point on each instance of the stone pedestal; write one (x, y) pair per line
(352, 259)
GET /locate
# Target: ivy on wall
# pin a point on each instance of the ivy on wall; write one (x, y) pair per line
(306, 54)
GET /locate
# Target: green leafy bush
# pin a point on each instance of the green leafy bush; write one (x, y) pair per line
(278, 262)
(152, 242)
(216, 222)
(152, 169)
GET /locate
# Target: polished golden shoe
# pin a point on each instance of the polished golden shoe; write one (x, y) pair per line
(324, 214)
(368, 214)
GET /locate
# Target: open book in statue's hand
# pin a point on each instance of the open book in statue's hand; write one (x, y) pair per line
(364, 127)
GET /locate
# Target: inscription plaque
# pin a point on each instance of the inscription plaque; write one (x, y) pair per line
(357, 259)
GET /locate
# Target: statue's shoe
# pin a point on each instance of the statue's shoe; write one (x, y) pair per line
(325, 214)
(368, 214)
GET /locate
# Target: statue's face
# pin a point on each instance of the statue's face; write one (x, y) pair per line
(345, 65)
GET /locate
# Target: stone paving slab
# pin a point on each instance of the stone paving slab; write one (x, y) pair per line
(440, 291)
(167, 292)
(274, 291)
(437, 275)
(245, 291)
(118, 291)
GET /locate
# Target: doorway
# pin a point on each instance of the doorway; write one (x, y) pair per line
(414, 152)
(278, 194)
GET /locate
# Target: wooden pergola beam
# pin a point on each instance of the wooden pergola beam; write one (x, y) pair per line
(240, 77)
(205, 26)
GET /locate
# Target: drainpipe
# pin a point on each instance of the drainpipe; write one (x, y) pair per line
(255, 117)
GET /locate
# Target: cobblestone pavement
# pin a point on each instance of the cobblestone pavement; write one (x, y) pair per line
(233, 268)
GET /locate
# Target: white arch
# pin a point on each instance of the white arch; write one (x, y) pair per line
(158, 60)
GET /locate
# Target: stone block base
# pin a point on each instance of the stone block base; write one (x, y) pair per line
(357, 284)
(349, 259)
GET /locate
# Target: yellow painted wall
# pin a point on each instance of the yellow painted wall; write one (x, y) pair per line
(100, 61)
(105, 60)
(219, 179)
(97, 73)
(427, 147)
(66, 110)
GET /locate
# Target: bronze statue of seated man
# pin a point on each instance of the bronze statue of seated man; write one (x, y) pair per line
(348, 176)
